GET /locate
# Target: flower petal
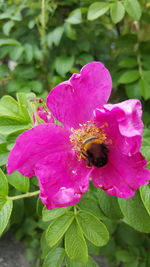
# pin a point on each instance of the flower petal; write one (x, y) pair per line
(62, 179)
(124, 124)
(35, 144)
(45, 115)
(73, 101)
(122, 175)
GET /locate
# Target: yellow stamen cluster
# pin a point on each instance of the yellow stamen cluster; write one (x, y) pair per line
(87, 130)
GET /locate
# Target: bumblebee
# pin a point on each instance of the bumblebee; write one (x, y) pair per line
(96, 152)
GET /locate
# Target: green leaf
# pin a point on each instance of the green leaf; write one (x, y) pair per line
(127, 40)
(146, 75)
(117, 11)
(141, 264)
(133, 90)
(39, 208)
(146, 145)
(125, 256)
(75, 244)
(8, 42)
(16, 52)
(18, 211)
(94, 230)
(7, 27)
(2, 139)
(109, 205)
(9, 125)
(91, 206)
(75, 17)
(11, 138)
(55, 36)
(110, 225)
(5, 213)
(91, 263)
(2, 201)
(57, 228)
(48, 215)
(38, 53)
(3, 184)
(135, 213)
(23, 106)
(129, 76)
(36, 86)
(133, 8)
(97, 9)
(54, 258)
(128, 236)
(31, 24)
(144, 87)
(146, 137)
(3, 154)
(6, 14)
(134, 263)
(70, 32)
(92, 249)
(25, 72)
(63, 64)
(4, 71)
(8, 106)
(44, 246)
(145, 196)
(19, 181)
(28, 52)
(11, 12)
(128, 62)
(30, 254)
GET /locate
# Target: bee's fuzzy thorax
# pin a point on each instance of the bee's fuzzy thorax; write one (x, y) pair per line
(88, 142)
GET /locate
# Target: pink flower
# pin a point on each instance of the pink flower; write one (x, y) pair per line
(44, 115)
(96, 140)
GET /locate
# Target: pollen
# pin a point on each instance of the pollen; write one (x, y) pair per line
(86, 131)
(100, 186)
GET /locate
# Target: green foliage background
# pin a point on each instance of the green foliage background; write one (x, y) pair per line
(41, 44)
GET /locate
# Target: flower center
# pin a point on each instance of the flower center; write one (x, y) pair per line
(90, 141)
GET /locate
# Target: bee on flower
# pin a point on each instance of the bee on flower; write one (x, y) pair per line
(96, 141)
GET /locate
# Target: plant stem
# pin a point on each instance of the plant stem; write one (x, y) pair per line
(140, 65)
(75, 210)
(43, 23)
(137, 49)
(29, 194)
(43, 14)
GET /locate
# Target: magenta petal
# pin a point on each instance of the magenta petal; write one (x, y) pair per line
(122, 175)
(62, 179)
(73, 101)
(35, 144)
(124, 124)
(45, 115)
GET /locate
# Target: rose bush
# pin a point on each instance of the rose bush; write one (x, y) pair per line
(42, 43)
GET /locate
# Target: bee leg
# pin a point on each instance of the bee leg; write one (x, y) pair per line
(84, 154)
(88, 160)
(89, 163)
